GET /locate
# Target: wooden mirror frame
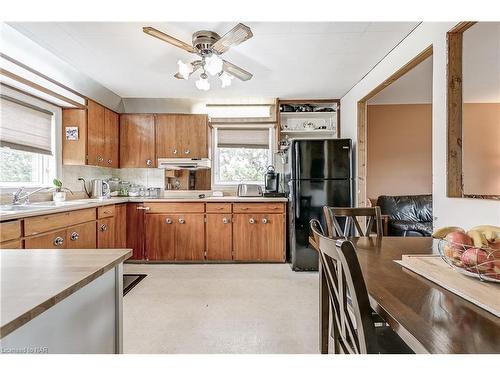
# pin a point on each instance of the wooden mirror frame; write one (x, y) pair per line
(454, 156)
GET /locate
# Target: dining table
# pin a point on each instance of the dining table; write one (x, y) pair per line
(428, 317)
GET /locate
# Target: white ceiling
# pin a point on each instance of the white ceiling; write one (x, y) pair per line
(288, 59)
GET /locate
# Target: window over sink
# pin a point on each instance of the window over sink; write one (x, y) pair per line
(241, 154)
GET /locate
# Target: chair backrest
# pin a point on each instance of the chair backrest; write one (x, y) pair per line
(353, 326)
(335, 229)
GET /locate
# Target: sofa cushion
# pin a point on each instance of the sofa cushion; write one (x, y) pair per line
(407, 207)
(400, 227)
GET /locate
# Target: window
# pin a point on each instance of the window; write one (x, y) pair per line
(242, 154)
(26, 144)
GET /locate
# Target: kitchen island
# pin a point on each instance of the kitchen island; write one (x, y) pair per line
(61, 301)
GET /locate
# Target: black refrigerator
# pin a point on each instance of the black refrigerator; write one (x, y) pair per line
(317, 173)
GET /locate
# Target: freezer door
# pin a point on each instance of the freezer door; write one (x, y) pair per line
(321, 159)
(309, 198)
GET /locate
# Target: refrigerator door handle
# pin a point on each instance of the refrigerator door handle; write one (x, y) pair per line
(297, 198)
(296, 167)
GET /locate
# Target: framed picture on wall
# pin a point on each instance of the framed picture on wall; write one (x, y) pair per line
(72, 133)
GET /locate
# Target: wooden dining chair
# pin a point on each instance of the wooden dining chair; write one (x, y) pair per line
(351, 226)
(353, 327)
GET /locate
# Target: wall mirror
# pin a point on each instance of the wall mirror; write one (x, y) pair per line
(474, 110)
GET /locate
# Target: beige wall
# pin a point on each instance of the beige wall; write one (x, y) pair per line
(399, 149)
(481, 143)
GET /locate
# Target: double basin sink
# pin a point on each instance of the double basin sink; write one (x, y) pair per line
(12, 208)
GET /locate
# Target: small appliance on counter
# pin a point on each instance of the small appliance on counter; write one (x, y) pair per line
(249, 190)
(100, 189)
(271, 180)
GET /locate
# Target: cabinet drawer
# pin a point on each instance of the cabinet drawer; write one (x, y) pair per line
(51, 240)
(10, 230)
(271, 207)
(106, 211)
(81, 236)
(14, 244)
(175, 207)
(219, 208)
(40, 224)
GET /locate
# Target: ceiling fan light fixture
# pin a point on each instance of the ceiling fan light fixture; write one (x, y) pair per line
(203, 84)
(226, 79)
(184, 69)
(213, 64)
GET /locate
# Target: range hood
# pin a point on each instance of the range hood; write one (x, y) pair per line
(183, 163)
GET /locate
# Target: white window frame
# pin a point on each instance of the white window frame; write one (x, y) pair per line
(216, 183)
(44, 160)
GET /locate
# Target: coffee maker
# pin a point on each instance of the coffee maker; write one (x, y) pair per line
(271, 180)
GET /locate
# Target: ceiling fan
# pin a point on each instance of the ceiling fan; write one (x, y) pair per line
(208, 45)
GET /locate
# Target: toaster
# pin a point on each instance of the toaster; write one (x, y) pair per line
(249, 190)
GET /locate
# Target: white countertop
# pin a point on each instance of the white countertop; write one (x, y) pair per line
(78, 204)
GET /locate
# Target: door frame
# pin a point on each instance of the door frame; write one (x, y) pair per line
(361, 147)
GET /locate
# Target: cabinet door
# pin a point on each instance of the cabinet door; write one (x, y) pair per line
(190, 237)
(246, 237)
(82, 236)
(159, 236)
(106, 233)
(166, 140)
(111, 139)
(15, 244)
(121, 226)
(51, 240)
(137, 141)
(95, 134)
(192, 134)
(219, 237)
(272, 235)
(135, 234)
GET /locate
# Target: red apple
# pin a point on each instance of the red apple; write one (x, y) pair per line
(456, 243)
(477, 259)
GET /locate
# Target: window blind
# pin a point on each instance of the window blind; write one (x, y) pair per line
(249, 138)
(25, 127)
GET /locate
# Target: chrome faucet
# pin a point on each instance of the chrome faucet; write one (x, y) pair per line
(17, 197)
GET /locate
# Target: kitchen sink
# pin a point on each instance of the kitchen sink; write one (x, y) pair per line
(36, 206)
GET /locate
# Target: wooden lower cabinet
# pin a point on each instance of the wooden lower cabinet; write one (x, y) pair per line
(14, 244)
(51, 240)
(106, 233)
(179, 237)
(190, 237)
(121, 226)
(219, 237)
(82, 236)
(135, 230)
(259, 237)
(160, 237)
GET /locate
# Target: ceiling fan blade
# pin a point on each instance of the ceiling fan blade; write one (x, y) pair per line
(167, 38)
(236, 71)
(196, 65)
(235, 36)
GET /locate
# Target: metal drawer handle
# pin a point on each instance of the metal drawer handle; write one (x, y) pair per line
(265, 221)
(110, 161)
(103, 227)
(143, 208)
(225, 220)
(187, 152)
(174, 151)
(252, 220)
(168, 221)
(74, 236)
(243, 208)
(149, 162)
(181, 221)
(58, 241)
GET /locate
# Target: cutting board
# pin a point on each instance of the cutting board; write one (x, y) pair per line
(483, 294)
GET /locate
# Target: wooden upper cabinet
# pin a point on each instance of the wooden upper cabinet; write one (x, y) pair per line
(111, 138)
(95, 134)
(181, 136)
(74, 152)
(137, 141)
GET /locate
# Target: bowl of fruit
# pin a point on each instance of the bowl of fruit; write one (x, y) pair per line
(475, 252)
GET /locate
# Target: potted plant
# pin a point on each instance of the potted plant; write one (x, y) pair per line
(59, 193)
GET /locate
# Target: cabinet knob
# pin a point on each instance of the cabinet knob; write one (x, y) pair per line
(149, 162)
(100, 158)
(58, 241)
(110, 161)
(187, 152)
(174, 151)
(103, 227)
(168, 220)
(182, 221)
(225, 220)
(74, 236)
(265, 221)
(252, 220)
